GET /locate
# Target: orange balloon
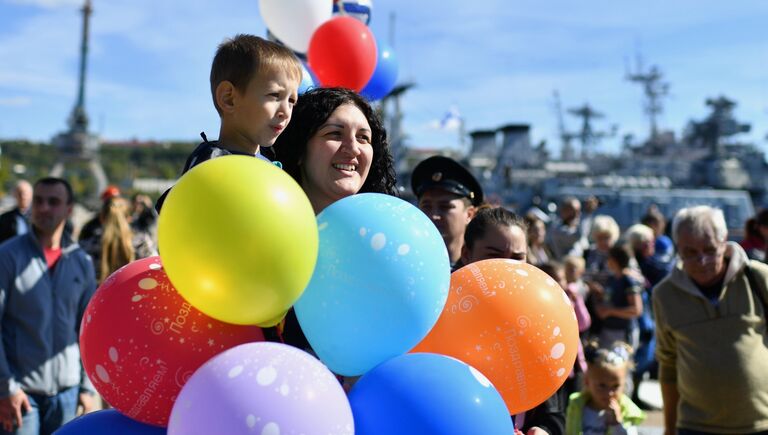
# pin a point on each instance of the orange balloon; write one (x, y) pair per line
(512, 322)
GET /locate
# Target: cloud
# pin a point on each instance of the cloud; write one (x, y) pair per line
(497, 61)
(48, 4)
(18, 101)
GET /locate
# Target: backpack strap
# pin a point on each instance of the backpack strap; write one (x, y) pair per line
(756, 288)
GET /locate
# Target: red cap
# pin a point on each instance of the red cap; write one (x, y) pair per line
(110, 192)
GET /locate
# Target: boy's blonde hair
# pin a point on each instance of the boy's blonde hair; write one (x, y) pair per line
(575, 262)
(638, 234)
(604, 224)
(238, 60)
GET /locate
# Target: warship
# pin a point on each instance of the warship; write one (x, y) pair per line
(705, 165)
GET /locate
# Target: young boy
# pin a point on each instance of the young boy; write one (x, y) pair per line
(622, 300)
(254, 85)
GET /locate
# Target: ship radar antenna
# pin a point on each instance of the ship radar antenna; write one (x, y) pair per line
(567, 152)
(654, 90)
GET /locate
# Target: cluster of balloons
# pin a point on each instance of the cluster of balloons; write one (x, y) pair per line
(173, 341)
(239, 243)
(176, 341)
(335, 39)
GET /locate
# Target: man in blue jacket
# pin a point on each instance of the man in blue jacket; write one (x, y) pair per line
(46, 281)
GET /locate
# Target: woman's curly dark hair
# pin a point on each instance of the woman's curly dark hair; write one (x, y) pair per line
(312, 109)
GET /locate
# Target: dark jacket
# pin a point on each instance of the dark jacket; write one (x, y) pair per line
(207, 150)
(9, 224)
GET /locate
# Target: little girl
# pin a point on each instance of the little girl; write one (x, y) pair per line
(602, 408)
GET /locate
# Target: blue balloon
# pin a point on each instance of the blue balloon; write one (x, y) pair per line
(308, 80)
(380, 283)
(384, 76)
(108, 422)
(425, 393)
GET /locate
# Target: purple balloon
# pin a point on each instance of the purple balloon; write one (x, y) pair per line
(262, 388)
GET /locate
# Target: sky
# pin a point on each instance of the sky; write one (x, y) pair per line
(496, 62)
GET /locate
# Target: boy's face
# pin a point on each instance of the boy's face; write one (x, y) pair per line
(263, 111)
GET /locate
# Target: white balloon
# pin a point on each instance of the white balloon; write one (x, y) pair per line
(294, 21)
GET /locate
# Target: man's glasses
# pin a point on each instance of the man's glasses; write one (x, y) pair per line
(706, 256)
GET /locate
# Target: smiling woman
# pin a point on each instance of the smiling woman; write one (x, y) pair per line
(335, 146)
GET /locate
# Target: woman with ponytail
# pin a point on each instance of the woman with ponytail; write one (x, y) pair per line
(114, 244)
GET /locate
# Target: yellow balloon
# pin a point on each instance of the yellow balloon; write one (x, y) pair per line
(238, 239)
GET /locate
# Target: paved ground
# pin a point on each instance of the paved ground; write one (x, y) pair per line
(650, 392)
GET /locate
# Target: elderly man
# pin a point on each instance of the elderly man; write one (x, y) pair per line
(46, 282)
(711, 332)
(16, 222)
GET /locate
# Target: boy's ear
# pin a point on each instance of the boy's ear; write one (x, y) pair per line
(225, 96)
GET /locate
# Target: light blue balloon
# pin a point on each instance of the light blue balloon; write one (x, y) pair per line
(425, 393)
(308, 80)
(380, 283)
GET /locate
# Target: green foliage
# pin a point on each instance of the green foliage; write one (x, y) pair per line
(122, 164)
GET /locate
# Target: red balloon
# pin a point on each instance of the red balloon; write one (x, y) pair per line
(140, 341)
(342, 52)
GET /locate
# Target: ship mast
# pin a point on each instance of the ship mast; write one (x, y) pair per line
(653, 89)
(567, 152)
(588, 137)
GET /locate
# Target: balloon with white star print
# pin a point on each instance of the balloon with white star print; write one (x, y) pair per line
(262, 388)
(141, 341)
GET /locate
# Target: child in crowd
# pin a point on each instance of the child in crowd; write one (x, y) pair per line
(602, 407)
(254, 85)
(558, 272)
(574, 271)
(621, 301)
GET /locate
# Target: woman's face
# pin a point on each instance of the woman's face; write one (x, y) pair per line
(499, 241)
(338, 157)
(537, 233)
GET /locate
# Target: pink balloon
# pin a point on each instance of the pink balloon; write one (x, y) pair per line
(342, 52)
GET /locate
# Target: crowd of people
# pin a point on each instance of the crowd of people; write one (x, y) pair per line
(689, 310)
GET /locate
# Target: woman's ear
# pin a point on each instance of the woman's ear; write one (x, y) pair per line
(465, 255)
